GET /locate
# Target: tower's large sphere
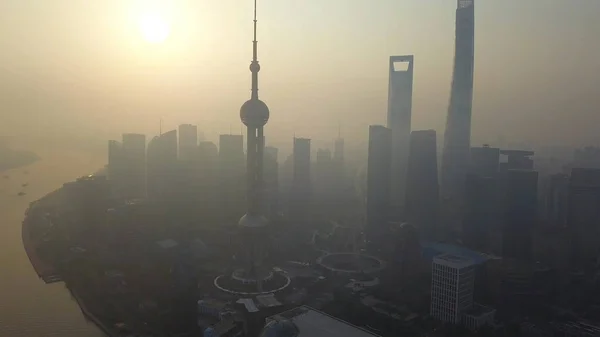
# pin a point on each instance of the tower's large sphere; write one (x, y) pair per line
(254, 113)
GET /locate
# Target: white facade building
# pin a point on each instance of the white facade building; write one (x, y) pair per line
(452, 284)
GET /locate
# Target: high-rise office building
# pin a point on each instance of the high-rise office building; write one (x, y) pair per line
(457, 137)
(287, 175)
(481, 210)
(378, 182)
(324, 156)
(188, 141)
(338, 183)
(324, 175)
(115, 149)
(134, 154)
(405, 255)
(484, 161)
(201, 179)
(301, 162)
(208, 157)
(231, 175)
(452, 287)
(231, 154)
(162, 166)
(587, 157)
(516, 160)
(583, 217)
(556, 199)
(271, 176)
(116, 162)
(422, 189)
(520, 214)
(338, 149)
(398, 120)
(301, 181)
(201, 137)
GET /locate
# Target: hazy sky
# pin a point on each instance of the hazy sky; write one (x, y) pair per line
(78, 67)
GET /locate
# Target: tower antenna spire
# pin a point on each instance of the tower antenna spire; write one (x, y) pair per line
(254, 42)
(254, 66)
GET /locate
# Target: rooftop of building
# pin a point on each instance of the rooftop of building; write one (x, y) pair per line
(452, 260)
(585, 177)
(301, 139)
(213, 302)
(268, 300)
(479, 310)
(308, 322)
(389, 309)
(522, 153)
(464, 3)
(433, 249)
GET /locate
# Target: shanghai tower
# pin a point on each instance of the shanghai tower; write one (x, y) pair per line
(457, 138)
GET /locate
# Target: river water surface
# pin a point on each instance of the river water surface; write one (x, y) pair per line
(29, 307)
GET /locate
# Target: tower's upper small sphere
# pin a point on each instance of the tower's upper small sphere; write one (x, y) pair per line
(254, 113)
(254, 67)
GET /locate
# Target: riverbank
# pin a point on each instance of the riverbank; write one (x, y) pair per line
(44, 270)
(29, 306)
(36, 220)
(90, 316)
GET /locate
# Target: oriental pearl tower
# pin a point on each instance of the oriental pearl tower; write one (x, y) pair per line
(254, 277)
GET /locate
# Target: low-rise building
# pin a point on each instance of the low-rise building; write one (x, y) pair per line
(308, 322)
(478, 316)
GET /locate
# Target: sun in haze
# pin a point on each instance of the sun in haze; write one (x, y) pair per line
(153, 27)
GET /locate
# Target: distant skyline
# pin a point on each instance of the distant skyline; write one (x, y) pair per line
(537, 72)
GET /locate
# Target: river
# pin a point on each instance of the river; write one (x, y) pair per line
(29, 307)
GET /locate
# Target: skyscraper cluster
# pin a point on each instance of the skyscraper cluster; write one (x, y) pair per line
(127, 165)
(500, 198)
(177, 171)
(483, 205)
(414, 186)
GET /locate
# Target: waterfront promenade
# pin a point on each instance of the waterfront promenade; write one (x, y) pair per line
(43, 269)
(34, 220)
